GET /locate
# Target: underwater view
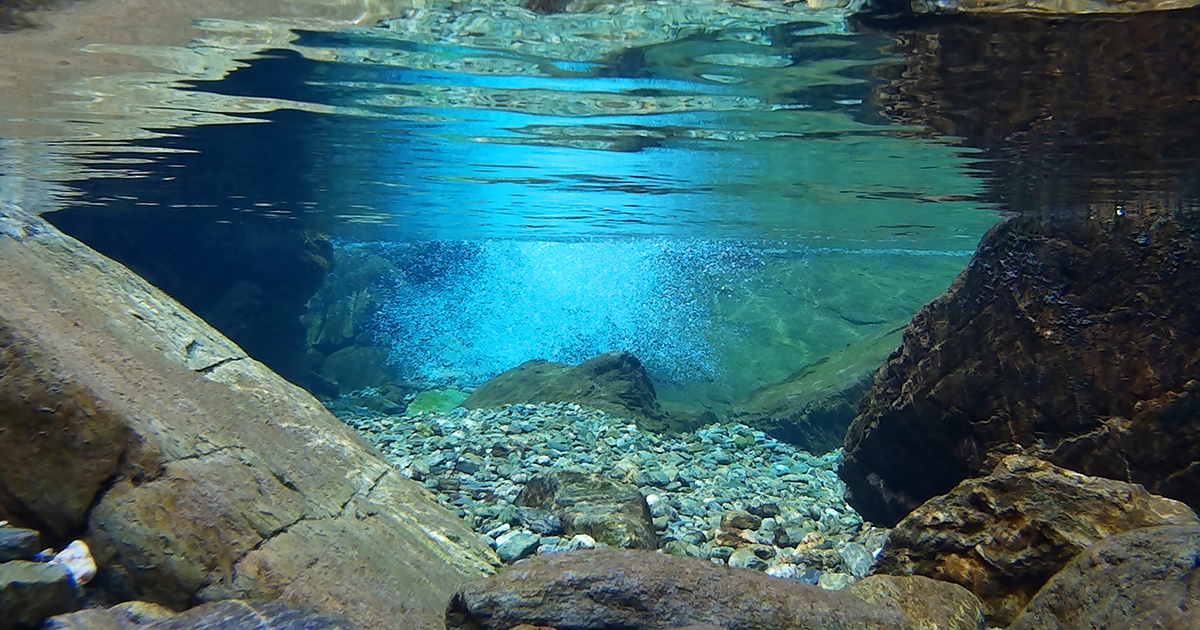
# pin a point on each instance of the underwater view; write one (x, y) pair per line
(587, 314)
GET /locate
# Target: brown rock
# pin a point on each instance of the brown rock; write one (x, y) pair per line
(740, 519)
(1074, 340)
(929, 603)
(1145, 579)
(597, 590)
(1057, 7)
(194, 472)
(1003, 536)
(610, 512)
(223, 615)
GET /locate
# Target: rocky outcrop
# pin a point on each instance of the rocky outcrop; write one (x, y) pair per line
(614, 382)
(223, 615)
(1052, 7)
(610, 512)
(1003, 536)
(814, 407)
(192, 471)
(1146, 578)
(1072, 339)
(596, 590)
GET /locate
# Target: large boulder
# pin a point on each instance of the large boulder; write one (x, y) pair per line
(597, 590)
(813, 408)
(194, 472)
(1003, 536)
(930, 604)
(1074, 340)
(613, 382)
(1148, 579)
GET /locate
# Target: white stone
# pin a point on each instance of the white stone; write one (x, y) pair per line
(77, 559)
(581, 541)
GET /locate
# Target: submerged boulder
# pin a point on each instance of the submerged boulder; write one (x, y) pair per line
(1145, 578)
(222, 615)
(1073, 339)
(609, 511)
(1051, 7)
(596, 590)
(193, 472)
(613, 382)
(814, 407)
(1003, 536)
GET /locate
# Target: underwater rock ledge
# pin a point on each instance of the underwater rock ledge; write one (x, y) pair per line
(1074, 340)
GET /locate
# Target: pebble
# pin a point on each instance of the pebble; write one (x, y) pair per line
(726, 492)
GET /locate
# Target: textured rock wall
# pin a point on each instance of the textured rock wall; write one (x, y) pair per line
(192, 471)
(1076, 340)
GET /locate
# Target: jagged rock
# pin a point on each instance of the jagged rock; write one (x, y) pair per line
(1145, 578)
(614, 382)
(1072, 339)
(930, 604)
(610, 512)
(814, 407)
(32, 591)
(18, 543)
(1003, 536)
(597, 590)
(195, 473)
(223, 615)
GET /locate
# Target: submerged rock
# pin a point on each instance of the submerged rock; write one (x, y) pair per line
(18, 543)
(223, 615)
(1003, 536)
(194, 472)
(813, 408)
(614, 382)
(1072, 339)
(1145, 578)
(610, 512)
(929, 603)
(597, 590)
(1053, 7)
(32, 591)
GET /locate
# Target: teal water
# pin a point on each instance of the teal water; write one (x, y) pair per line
(731, 193)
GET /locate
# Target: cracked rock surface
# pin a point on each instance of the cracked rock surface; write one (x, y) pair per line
(192, 471)
(1075, 339)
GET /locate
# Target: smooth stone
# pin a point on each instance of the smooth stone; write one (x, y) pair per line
(745, 558)
(514, 545)
(32, 591)
(834, 581)
(17, 543)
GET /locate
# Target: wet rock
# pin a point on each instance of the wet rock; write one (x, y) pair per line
(223, 615)
(928, 603)
(813, 408)
(18, 543)
(614, 382)
(126, 616)
(1145, 578)
(740, 519)
(194, 472)
(745, 558)
(1003, 536)
(1070, 339)
(32, 591)
(856, 560)
(595, 590)
(514, 545)
(610, 512)
(357, 367)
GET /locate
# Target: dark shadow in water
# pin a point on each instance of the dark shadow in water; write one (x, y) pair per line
(1068, 112)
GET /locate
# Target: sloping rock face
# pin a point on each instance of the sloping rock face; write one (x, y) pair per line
(813, 408)
(1075, 340)
(1146, 578)
(608, 511)
(614, 382)
(597, 590)
(193, 472)
(930, 604)
(1003, 536)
